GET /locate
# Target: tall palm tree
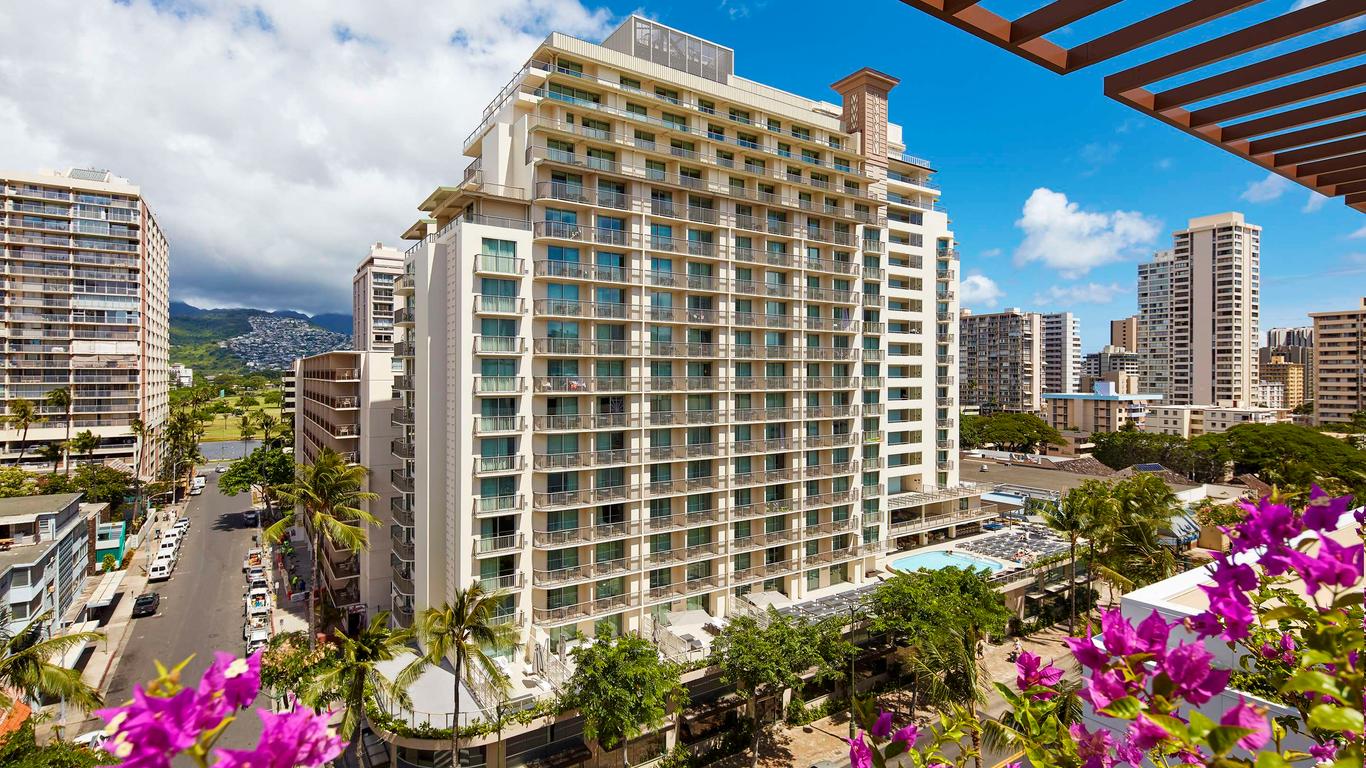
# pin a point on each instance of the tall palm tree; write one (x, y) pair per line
(26, 663)
(1067, 517)
(465, 631)
(247, 426)
(52, 452)
(22, 413)
(139, 430)
(267, 423)
(352, 677)
(86, 442)
(327, 497)
(952, 676)
(61, 398)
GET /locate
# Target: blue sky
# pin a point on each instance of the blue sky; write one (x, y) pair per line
(997, 128)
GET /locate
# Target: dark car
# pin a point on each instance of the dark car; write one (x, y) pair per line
(146, 604)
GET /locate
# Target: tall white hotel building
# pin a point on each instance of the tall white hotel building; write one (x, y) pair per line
(676, 337)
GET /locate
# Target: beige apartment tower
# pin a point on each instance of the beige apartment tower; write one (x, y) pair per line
(1124, 333)
(677, 344)
(86, 310)
(1198, 313)
(1339, 364)
(1291, 378)
(1001, 361)
(372, 299)
(344, 400)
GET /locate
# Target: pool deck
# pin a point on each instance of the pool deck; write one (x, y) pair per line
(954, 546)
(965, 558)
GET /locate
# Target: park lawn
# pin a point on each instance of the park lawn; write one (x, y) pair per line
(215, 431)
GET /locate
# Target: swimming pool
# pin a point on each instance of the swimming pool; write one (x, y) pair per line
(940, 559)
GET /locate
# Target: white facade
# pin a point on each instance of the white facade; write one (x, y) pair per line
(182, 376)
(1001, 360)
(1194, 420)
(1270, 394)
(87, 309)
(45, 567)
(372, 299)
(1199, 306)
(672, 340)
(1061, 352)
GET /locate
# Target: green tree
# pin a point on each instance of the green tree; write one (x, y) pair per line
(764, 660)
(1018, 432)
(953, 676)
(622, 688)
(353, 678)
(139, 430)
(15, 482)
(1068, 518)
(246, 425)
(28, 663)
(86, 442)
(267, 423)
(465, 631)
(269, 469)
(52, 452)
(20, 749)
(1293, 458)
(970, 431)
(61, 398)
(102, 484)
(247, 401)
(326, 497)
(1132, 553)
(22, 413)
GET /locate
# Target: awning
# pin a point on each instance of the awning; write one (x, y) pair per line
(73, 654)
(106, 590)
(1055, 588)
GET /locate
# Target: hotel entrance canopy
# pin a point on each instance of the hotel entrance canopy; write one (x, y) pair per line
(1300, 113)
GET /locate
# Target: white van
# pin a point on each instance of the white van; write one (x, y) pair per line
(168, 549)
(200, 481)
(160, 569)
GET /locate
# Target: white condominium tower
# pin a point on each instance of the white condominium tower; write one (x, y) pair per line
(372, 299)
(1198, 313)
(677, 337)
(86, 309)
(1061, 353)
(1001, 361)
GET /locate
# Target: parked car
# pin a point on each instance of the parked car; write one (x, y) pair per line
(90, 739)
(221, 468)
(160, 570)
(200, 480)
(250, 517)
(182, 525)
(197, 490)
(146, 604)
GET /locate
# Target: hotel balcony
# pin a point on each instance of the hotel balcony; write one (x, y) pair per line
(403, 584)
(499, 505)
(402, 481)
(401, 510)
(584, 534)
(403, 449)
(402, 547)
(490, 465)
(585, 571)
(498, 544)
(571, 613)
(509, 581)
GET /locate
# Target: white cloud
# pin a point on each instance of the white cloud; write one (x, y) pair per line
(991, 253)
(1313, 203)
(980, 290)
(1360, 234)
(1060, 235)
(1266, 190)
(274, 140)
(1089, 293)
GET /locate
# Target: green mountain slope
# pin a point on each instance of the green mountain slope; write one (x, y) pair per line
(195, 334)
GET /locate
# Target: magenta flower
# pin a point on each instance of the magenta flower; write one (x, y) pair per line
(1093, 748)
(1334, 565)
(150, 731)
(295, 739)
(1086, 653)
(1118, 634)
(1190, 668)
(1145, 734)
(1323, 513)
(1246, 715)
(1030, 672)
(907, 734)
(860, 755)
(1104, 687)
(883, 727)
(1325, 752)
(239, 680)
(1153, 632)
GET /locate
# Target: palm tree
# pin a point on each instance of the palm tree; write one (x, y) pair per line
(52, 452)
(139, 430)
(326, 497)
(465, 631)
(267, 423)
(1067, 517)
(61, 398)
(953, 676)
(86, 442)
(247, 426)
(26, 663)
(353, 677)
(22, 413)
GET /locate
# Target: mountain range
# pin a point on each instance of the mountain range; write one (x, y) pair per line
(196, 334)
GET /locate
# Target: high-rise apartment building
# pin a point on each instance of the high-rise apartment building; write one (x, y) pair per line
(1339, 364)
(1061, 352)
(1124, 333)
(372, 299)
(87, 310)
(1289, 375)
(344, 401)
(1110, 359)
(677, 338)
(1001, 361)
(1290, 337)
(1155, 324)
(1198, 313)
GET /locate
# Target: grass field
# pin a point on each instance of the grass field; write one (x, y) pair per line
(215, 430)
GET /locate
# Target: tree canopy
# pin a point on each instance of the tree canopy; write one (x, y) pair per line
(1293, 457)
(1015, 432)
(621, 687)
(265, 467)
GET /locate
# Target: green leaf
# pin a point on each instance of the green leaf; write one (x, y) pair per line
(1351, 598)
(1200, 725)
(1271, 760)
(1223, 738)
(1126, 708)
(1330, 717)
(1311, 680)
(1285, 612)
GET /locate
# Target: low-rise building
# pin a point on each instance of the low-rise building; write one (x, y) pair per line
(1271, 394)
(1109, 407)
(345, 401)
(1194, 420)
(181, 376)
(45, 557)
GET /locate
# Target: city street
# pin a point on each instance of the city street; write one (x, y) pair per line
(201, 605)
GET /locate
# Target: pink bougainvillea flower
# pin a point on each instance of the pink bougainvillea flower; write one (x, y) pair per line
(1194, 678)
(883, 727)
(1031, 672)
(1145, 734)
(860, 755)
(907, 734)
(1094, 748)
(1245, 715)
(239, 680)
(298, 738)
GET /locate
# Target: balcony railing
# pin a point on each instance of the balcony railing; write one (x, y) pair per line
(494, 544)
(584, 534)
(492, 505)
(486, 465)
(400, 480)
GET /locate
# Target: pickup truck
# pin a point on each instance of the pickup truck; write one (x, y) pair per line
(255, 559)
(257, 604)
(257, 640)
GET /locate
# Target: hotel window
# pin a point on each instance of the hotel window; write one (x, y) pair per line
(630, 83)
